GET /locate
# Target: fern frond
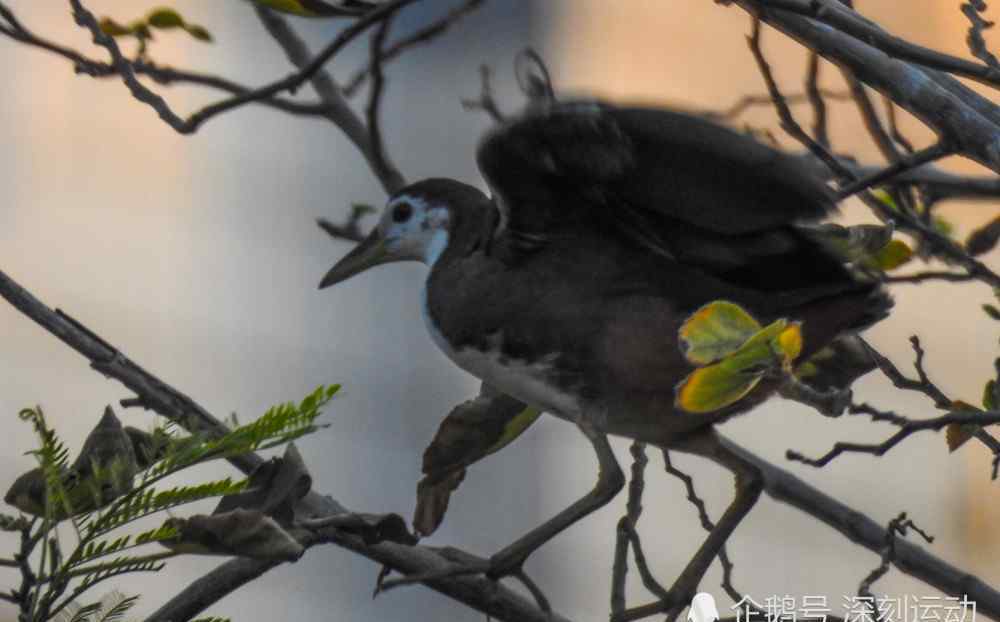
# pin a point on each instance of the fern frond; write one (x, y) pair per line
(114, 606)
(141, 503)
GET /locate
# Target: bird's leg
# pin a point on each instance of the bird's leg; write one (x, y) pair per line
(749, 485)
(610, 481)
(508, 561)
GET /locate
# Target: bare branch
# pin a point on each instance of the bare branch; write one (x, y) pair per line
(746, 102)
(968, 119)
(375, 99)
(977, 45)
(124, 68)
(870, 117)
(485, 102)
(788, 122)
(907, 427)
(706, 524)
(890, 117)
(341, 113)
(424, 35)
(815, 95)
(898, 525)
(628, 535)
(902, 164)
(921, 277)
(306, 72)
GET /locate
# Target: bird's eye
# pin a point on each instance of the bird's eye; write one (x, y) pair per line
(402, 212)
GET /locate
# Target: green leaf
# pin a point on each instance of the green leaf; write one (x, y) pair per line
(714, 331)
(112, 28)
(992, 311)
(199, 32)
(165, 18)
(893, 255)
(991, 395)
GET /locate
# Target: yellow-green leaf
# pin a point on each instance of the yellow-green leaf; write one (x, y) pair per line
(715, 330)
(712, 388)
(112, 28)
(893, 255)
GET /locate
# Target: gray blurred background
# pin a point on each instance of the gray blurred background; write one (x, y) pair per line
(198, 257)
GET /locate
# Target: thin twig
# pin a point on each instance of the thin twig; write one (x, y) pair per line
(485, 101)
(921, 277)
(904, 163)
(977, 44)
(424, 35)
(815, 95)
(749, 101)
(870, 117)
(341, 113)
(907, 428)
(788, 122)
(706, 524)
(894, 132)
(306, 73)
(124, 68)
(898, 525)
(375, 98)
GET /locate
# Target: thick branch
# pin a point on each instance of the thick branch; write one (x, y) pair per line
(961, 116)
(910, 558)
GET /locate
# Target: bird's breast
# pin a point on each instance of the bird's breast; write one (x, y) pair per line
(531, 381)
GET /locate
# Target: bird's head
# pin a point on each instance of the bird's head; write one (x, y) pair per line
(417, 224)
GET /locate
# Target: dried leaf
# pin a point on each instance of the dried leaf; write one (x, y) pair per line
(983, 239)
(245, 533)
(471, 431)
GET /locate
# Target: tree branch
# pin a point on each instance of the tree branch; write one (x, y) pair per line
(964, 117)
(307, 70)
(424, 35)
(124, 68)
(342, 114)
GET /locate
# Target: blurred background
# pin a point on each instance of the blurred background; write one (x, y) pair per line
(198, 257)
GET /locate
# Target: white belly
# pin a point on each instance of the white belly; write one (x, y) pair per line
(519, 379)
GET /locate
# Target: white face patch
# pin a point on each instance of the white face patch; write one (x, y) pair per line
(414, 229)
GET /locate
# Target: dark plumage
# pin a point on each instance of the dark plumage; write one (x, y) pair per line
(607, 228)
(618, 224)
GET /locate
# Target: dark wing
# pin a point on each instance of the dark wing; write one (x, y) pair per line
(644, 171)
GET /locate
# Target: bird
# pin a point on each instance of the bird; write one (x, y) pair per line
(605, 228)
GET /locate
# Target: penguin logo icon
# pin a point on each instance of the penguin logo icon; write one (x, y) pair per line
(703, 609)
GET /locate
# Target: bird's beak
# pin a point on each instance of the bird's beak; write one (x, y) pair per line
(370, 252)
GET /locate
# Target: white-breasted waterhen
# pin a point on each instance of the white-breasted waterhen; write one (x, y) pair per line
(607, 228)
